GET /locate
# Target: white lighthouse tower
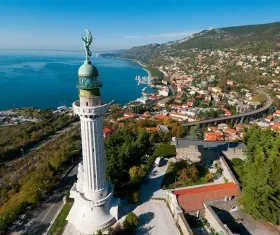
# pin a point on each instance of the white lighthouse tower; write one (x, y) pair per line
(94, 207)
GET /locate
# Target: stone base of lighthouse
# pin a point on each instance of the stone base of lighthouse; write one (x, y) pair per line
(87, 217)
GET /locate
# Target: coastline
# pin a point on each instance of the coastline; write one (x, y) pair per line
(144, 67)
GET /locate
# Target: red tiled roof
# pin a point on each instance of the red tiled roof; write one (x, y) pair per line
(159, 117)
(191, 199)
(106, 130)
(152, 129)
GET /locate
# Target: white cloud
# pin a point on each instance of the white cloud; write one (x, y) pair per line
(132, 37)
(172, 35)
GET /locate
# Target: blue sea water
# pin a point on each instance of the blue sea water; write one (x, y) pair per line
(48, 79)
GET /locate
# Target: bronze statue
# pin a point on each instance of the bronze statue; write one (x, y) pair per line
(87, 41)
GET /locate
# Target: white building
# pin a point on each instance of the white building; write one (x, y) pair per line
(164, 91)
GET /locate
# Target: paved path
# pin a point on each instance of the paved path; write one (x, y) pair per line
(154, 216)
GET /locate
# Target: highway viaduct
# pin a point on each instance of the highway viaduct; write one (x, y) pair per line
(238, 118)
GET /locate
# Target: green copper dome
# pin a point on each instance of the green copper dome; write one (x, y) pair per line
(88, 77)
(88, 70)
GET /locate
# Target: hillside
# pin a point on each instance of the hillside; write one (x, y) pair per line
(249, 38)
(265, 36)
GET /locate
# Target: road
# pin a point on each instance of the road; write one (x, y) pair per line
(262, 109)
(41, 217)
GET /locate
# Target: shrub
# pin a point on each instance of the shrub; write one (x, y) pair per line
(133, 197)
(131, 221)
(165, 150)
(219, 171)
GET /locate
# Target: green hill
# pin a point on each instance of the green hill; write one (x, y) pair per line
(249, 38)
(263, 36)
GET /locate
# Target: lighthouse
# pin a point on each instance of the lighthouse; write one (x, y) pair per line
(94, 206)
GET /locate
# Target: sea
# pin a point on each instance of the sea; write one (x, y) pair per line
(48, 79)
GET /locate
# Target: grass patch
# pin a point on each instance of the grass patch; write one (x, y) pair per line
(59, 224)
(154, 72)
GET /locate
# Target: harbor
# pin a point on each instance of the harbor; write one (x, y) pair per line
(143, 80)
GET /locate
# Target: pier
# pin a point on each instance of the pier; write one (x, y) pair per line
(143, 80)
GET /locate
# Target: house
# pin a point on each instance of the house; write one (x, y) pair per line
(216, 89)
(212, 128)
(269, 118)
(230, 83)
(163, 102)
(179, 100)
(126, 117)
(175, 106)
(240, 127)
(163, 128)
(192, 199)
(275, 126)
(159, 117)
(107, 132)
(213, 136)
(221, 126)
(179, 116)
(226, 112)
(152, 129)
(276, 113)
(193, 119)
(229, 131)
(164, 91)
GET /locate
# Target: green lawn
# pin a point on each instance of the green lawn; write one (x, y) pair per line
(60, 222)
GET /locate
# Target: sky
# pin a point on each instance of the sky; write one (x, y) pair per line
(121, 24)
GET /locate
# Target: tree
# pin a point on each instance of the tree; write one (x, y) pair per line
(136, 173)
(260, 175)
(209, 177)
(131, 221)
(195, 132)
(167, 108)
(183, 175)
(177, 130)
(167, 121)
(193, 173)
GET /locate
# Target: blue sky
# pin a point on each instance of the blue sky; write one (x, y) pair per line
(116, 24)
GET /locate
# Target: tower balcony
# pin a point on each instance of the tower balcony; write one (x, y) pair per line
(89, 111)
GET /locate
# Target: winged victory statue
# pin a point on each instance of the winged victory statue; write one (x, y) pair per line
(87, 41)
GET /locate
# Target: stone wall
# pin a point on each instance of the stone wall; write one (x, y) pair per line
(182, 222)
(177, 213)
(228, 174)
(214, 220)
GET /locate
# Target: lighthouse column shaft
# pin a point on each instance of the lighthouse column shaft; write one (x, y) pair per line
(95, 184)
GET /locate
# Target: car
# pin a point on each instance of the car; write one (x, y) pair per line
(13, 228)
